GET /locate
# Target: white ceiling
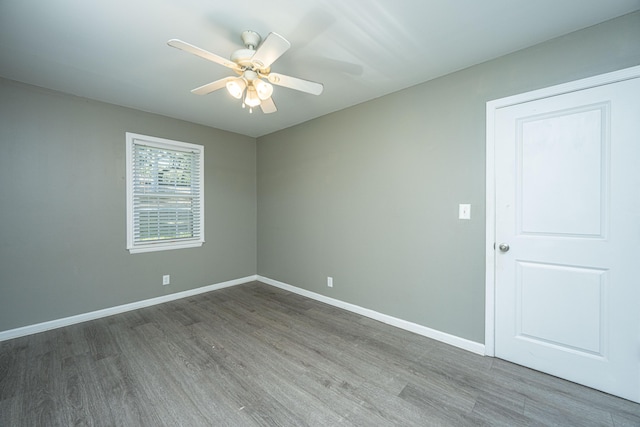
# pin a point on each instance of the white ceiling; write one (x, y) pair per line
(115, 50)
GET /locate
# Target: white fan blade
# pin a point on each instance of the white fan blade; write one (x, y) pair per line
(271, 49)
(296, 83)
(213, 86)
(179, 44)
(268, 106)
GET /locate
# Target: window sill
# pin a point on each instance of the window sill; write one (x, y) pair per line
(163, 247)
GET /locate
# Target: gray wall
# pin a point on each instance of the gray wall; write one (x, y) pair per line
(369, 195)
(62, 208)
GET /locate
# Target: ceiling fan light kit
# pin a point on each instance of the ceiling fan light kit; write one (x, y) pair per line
(252, 64)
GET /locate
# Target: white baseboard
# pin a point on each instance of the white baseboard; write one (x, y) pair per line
(58, 323)
(453, 340)
(462, 343)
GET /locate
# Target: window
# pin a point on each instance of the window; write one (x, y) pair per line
(165, 194)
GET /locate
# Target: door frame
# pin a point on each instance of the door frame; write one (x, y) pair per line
(492, 106)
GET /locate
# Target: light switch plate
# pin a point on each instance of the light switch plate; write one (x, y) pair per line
(464, 211)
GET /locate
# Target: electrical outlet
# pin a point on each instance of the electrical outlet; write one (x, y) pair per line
(166, 279)
(330, 282)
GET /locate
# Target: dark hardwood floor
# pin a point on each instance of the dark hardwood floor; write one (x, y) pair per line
(257, 355)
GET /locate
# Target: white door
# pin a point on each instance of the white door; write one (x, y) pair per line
(567, 204)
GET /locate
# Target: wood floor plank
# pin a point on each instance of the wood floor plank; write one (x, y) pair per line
(9, 410)
(492, 410)
(123, 394)
(255, 355)
(12, 353)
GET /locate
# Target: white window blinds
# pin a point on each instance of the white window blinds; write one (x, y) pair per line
(164, 194)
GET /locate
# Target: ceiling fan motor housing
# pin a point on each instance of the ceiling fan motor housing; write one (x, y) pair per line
(242, 57)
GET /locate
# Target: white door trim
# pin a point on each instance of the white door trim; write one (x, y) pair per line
(492, 106)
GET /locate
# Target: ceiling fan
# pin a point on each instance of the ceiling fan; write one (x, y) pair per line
(253, 65)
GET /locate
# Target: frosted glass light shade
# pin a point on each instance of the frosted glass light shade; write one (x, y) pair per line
(264, 89)
(236, 87)
(252, 99)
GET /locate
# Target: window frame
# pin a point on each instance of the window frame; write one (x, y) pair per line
(134, 246)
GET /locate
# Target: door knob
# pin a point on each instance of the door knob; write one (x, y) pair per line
(503, 247)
